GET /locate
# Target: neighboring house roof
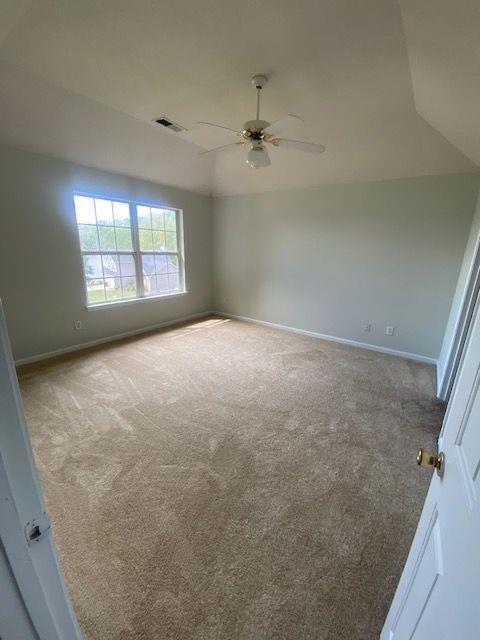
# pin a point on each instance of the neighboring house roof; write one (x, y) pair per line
(110, 268)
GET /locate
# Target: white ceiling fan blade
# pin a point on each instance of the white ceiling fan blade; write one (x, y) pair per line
(300, 146)
(224, 146)
(218, 126)
(285, 123)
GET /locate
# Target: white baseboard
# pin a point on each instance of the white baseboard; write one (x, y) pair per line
(322, 336)
(92, 343)
(118, 336)
(440, 384)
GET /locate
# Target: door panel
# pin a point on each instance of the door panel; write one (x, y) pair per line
(439, 592)
(428, 569)
(467, 445)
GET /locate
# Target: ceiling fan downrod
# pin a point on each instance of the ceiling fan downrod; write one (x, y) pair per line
(258, 82)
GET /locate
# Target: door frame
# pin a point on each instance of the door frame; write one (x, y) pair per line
(33, 561)
(462, 325)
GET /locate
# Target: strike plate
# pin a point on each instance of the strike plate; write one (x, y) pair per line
(37, 528)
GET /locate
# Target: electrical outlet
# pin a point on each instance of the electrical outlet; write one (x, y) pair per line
(78, 325)
(389, 330)
(367, 327)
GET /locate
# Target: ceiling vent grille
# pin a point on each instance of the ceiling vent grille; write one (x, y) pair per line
(168, 124)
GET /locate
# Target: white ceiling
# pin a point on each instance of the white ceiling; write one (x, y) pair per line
(83, 79)
(443, 38)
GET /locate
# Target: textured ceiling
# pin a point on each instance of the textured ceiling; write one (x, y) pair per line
(82, 80)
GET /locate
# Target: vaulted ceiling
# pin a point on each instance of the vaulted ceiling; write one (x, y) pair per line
(82, 80)
(443, 43)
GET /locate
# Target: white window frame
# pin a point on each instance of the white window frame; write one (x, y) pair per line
(136, 252)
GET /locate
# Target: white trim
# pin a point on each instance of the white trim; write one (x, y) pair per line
(323, 336)
(124, 301)
(354, 343)
(447, 377)
(118, 336)
(438, 380)
(34, 566)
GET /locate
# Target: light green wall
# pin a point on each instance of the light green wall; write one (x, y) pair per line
(331, 259)
(41, 282)
(325, 259)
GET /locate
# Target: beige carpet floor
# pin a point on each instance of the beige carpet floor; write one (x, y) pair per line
(226, 481)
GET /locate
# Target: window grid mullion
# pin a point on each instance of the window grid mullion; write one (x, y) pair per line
(180, 249)
(136, 250)
(122, 252)
(100, 247)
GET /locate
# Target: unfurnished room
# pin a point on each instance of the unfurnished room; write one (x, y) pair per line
(239, 320)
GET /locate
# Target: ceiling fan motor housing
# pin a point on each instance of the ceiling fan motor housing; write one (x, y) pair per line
(253, 129)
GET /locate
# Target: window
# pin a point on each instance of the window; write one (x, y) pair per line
(129, 250)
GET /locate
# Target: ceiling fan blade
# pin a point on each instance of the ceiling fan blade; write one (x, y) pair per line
(218, 126)
(224, 146)
(300, 146)
(285, 123)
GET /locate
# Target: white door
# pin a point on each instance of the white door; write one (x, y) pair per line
(438, 596)
(32, 583)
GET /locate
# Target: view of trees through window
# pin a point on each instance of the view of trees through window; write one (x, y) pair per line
(129, 250)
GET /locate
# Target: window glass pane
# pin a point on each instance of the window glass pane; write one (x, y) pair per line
(107, 238)
(113, 288)
(127, 265)
(84, 210)
(121, 213)
(148, 264)
(172, 264)
(145, 237)
(157, 218)
(171, 241)
(124, 238)
(143, 215)
(170, 221)
(158, 240)
(92, 266)
(88, 237)
(162, 283)
(95, 291)
(111, 267)
(129, 287)
(150, 285)
(160, 264)
(173, 281)
(104, 212)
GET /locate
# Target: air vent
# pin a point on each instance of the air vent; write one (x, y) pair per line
(168, 124)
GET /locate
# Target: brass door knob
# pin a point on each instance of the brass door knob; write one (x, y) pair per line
(427, 459)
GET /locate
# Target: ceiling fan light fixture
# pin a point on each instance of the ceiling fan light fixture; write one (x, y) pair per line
(258, 157)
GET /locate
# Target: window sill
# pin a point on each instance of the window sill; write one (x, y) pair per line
(121, 303)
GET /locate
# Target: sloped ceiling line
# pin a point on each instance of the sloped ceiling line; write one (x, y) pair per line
(83, 80)
(443, 46)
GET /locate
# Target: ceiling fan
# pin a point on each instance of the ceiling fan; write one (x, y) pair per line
(257, 133)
